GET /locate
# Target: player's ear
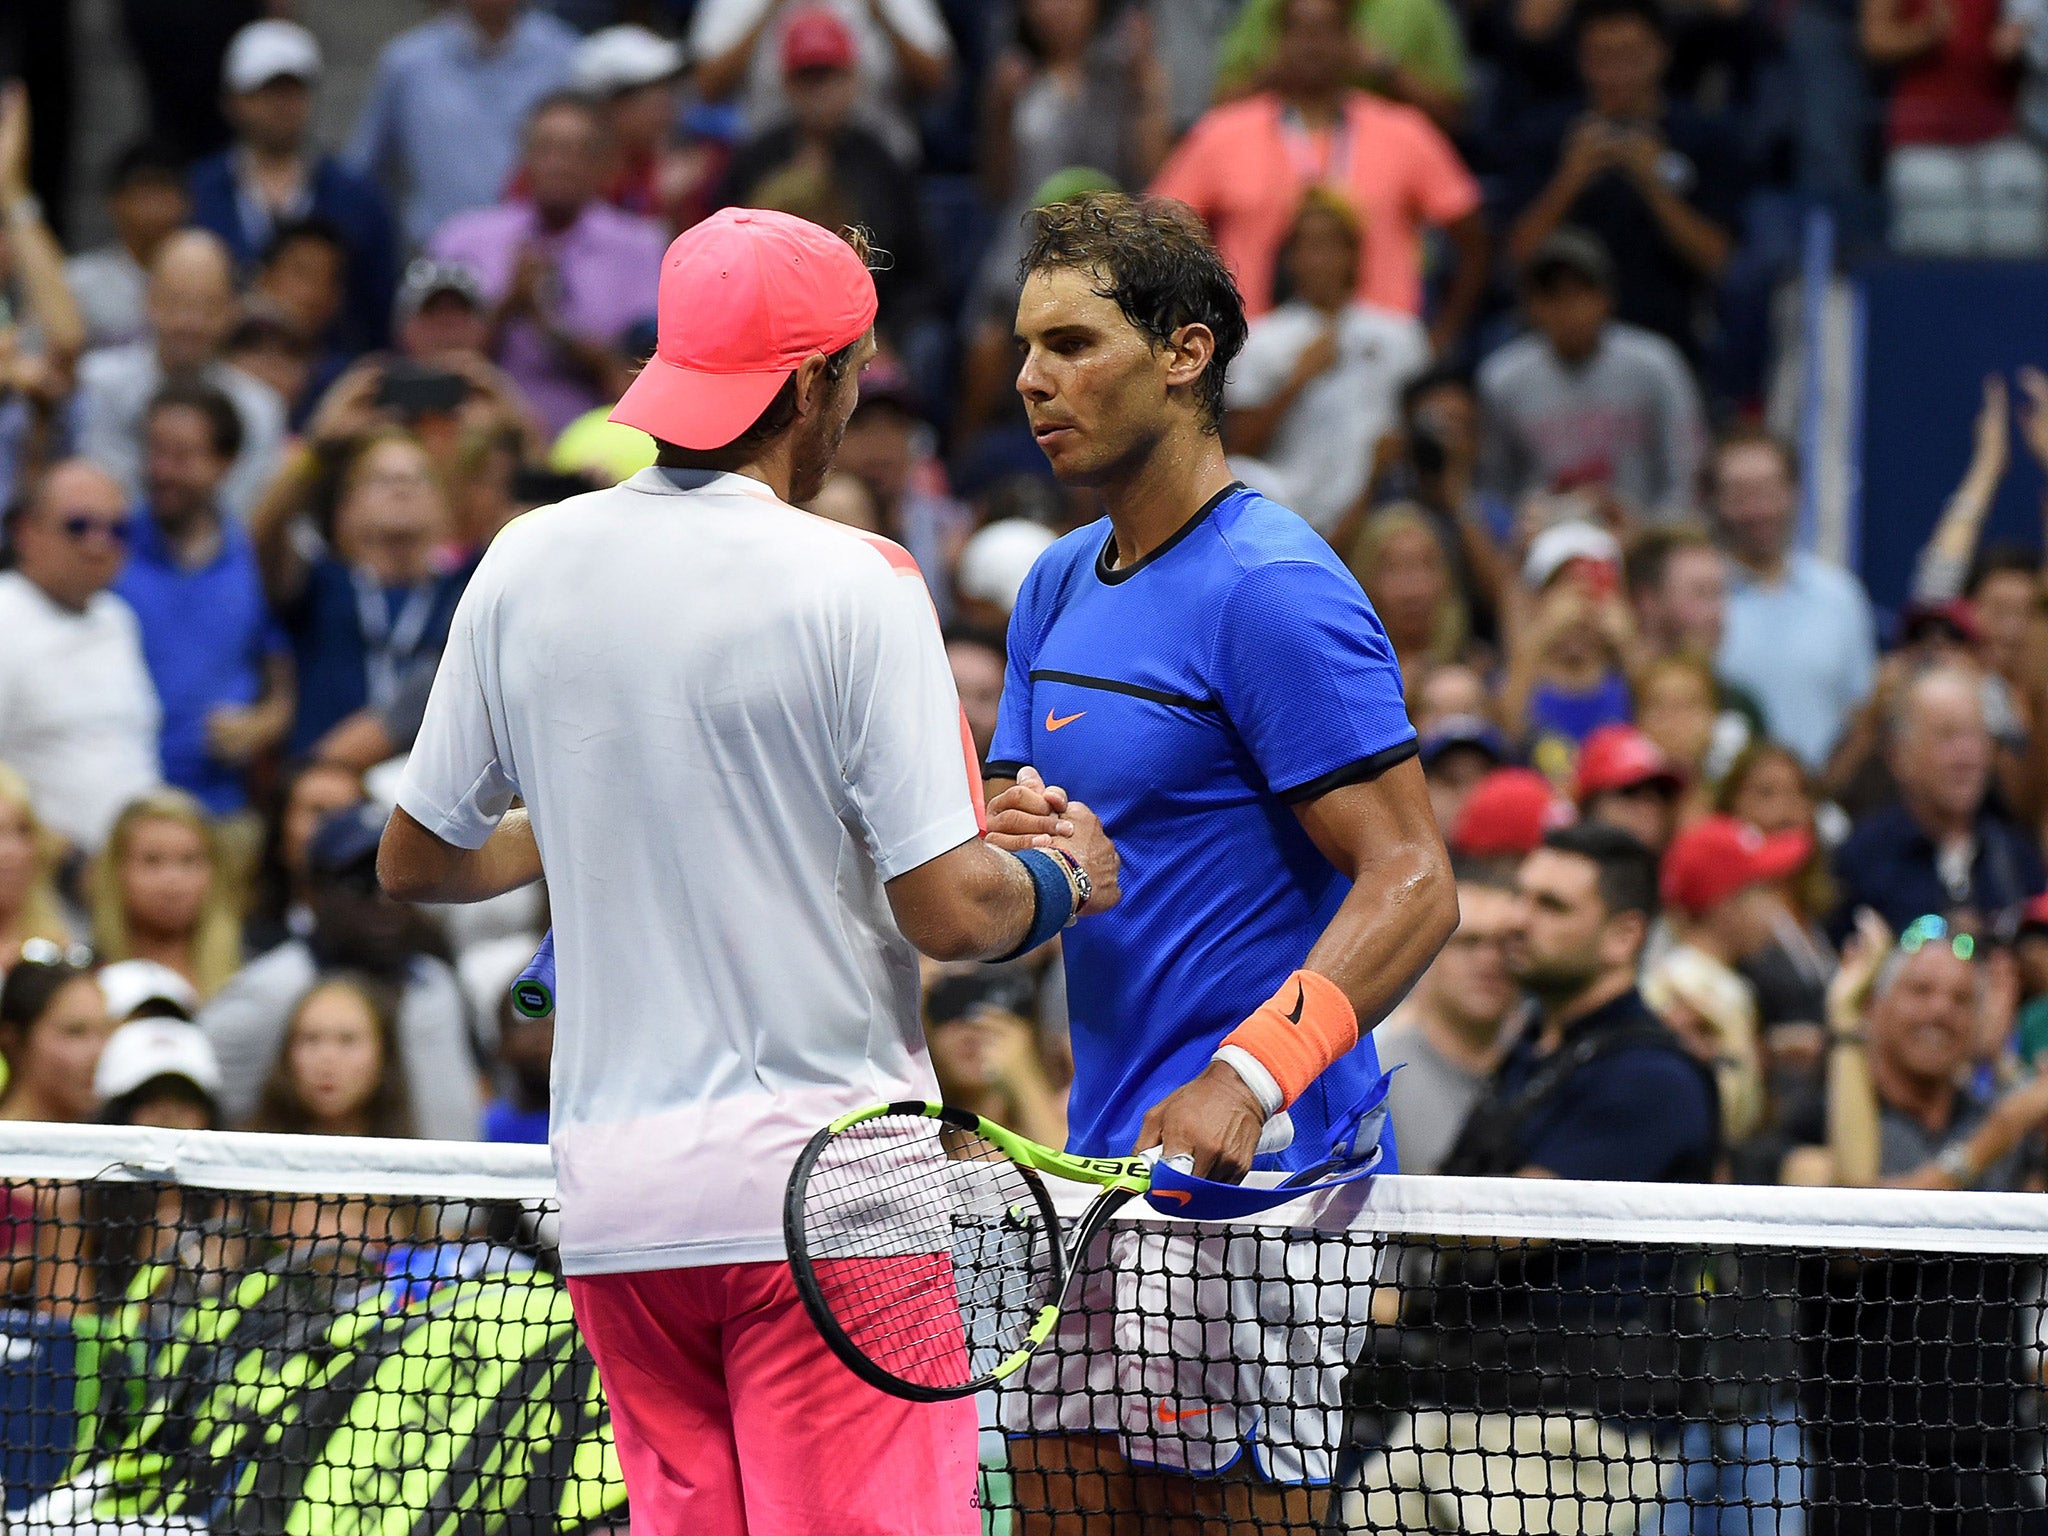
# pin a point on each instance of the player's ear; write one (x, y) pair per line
(812, 385)
(1189, 351)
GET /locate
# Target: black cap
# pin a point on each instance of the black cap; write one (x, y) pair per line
(346, 842)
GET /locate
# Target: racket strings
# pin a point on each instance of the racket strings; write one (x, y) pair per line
(929, 1247)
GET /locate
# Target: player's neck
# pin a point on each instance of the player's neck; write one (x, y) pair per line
(1150, 502)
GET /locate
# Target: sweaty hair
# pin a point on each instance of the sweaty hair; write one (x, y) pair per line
(1628, 869)
(1152, 260)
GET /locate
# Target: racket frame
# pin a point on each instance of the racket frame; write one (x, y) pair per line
(1119, 1178)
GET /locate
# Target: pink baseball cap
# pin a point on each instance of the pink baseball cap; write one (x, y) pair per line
(745, 297)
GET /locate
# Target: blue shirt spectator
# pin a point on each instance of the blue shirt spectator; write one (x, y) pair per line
(272, 176)
(1939, 849)
(1800, 638)
(215, 654)
(468, 79)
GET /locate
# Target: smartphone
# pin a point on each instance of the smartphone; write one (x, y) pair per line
(411, 391)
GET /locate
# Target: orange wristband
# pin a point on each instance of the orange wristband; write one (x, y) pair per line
(1298, 1031)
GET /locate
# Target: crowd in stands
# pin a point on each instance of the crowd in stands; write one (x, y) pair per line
(1509, 272)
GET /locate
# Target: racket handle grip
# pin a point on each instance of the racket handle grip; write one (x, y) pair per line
(533, 990)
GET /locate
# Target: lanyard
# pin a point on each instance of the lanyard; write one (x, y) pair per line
(1332, 167)
(387, 643)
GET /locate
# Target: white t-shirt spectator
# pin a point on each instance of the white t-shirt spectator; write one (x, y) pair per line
(1323, 448)
(732, 722)
(719, 25)
(78, 713)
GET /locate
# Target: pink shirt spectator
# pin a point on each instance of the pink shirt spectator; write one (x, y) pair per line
(606, 265)
(1961, 92)
(1243, 168)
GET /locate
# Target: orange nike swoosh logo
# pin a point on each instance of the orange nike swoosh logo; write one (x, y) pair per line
(1169, 1415)
(1178, 1196)
(1053, 723)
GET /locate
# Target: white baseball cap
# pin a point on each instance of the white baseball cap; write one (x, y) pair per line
(269, 50)
(623, 58)
(151, 1048)
(1557, 546)
(128, 984)
(998, 558)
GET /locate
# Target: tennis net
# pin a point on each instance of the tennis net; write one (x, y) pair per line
(318, 1337)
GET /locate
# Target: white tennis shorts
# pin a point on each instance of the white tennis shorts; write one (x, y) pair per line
(1194, 1349)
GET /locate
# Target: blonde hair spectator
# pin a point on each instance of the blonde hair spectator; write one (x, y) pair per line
(29, 907)
(163, 890)
(1401, 563)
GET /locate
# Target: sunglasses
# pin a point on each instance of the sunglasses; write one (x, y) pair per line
(1930, 929)
(79, 528)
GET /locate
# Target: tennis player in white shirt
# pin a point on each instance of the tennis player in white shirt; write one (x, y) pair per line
(748, 783)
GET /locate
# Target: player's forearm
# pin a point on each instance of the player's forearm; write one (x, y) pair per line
(415, 865)
(1401, 910)
(973, 902)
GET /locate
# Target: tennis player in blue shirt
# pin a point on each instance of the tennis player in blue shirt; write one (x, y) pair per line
(1202, 671)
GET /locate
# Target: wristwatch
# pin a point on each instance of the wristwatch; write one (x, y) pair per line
(1957, 1166)
(1077, 877)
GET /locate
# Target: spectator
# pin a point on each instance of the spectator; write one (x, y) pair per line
(373, 608)
(1412, 53)
(78, 714)
(441, 314)
(1319, 381)
(1457, 753)
(164, 890)
(978, 657)
(339, 1071)
(902, 50)
(216, 657)
(526, 1049)
(41, 329)
(1939, 848)
(567, 272)
(1584, 399)
(1447, 1035)
(271, 350)
(147, 202)
(1659, 184)
(1507, 815)
(988, 1061)
(1800, 638)
(993, 565)
(887, 448)
(1437, 693)
(1677, 706)
(353, 926)
(636, 75)
(1678, 588)
(469, 78)
(1623, 1101)
(1961, 179)
(1072, 91)
(1245, 166)
(53, 1025)
(191, 313)
(29, 905)
(823, 165)
(1400, 561)
(1717, 884)
(283, 906)
(1568, 634)
(1768, 788)
(159, 1072)
(1625, 780)
(301, 277)
(272, 176)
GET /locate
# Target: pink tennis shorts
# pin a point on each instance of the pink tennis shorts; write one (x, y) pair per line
(734, 1419)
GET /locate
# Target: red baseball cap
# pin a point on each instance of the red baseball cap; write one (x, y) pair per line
(1507, 813)
(746, 296)
(2034, 915)
(1621, 757)
(815, 37)
(1715, 857)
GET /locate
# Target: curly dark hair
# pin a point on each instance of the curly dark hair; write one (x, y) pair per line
(1151, 257)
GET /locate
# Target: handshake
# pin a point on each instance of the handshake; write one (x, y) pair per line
(1034, 814)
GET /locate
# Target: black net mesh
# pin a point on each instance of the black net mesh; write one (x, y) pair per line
(183, 1359)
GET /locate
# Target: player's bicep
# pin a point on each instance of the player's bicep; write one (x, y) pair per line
(1383, 819)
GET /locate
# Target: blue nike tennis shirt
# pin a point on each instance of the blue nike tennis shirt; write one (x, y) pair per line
(1192, 700)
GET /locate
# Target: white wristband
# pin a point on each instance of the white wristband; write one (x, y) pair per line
(1261, 1082)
